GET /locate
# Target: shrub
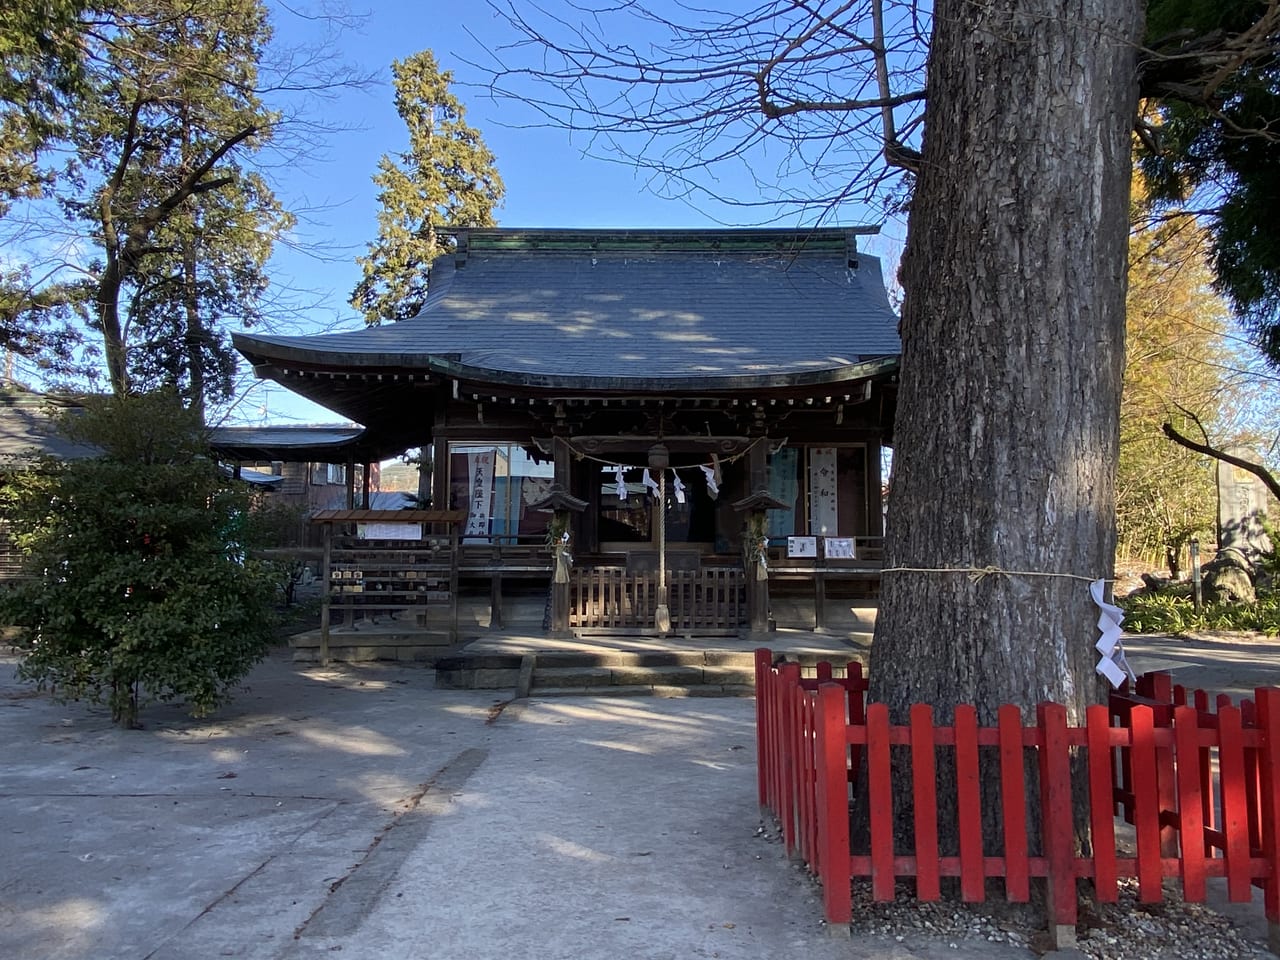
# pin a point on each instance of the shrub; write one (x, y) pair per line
(1160, 613)
(136, 586)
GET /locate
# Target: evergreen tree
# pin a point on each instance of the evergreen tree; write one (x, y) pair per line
(168, 227)
(1212, 68)
(136, 585)
(40, 65)
(170, 105)
(445, 178)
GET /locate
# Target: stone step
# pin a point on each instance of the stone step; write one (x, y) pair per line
(656, 690)
(615, 676)
(593, 672)
(646, 658)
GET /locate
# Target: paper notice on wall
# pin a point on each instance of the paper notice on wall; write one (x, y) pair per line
(823, 492)
(838, 548)
(480, 499)
(802, 546)
(389, 531)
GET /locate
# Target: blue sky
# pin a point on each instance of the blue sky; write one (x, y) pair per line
(550, 181)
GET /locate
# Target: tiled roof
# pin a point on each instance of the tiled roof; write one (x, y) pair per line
(283, 436)
(318, 444)
(28, 427)
(631, 304)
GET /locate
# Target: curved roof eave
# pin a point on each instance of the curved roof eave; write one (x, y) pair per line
(269, 351)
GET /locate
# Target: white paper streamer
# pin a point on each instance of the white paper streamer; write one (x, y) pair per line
(713, 488)
(649, 482)
(1113, 664)
(678, 486)
(620, 484)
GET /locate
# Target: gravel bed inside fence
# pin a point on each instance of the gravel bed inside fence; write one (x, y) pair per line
(1127, 930)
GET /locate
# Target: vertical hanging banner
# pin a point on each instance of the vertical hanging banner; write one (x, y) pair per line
(784, 484)
(823, 500)
(480, 499)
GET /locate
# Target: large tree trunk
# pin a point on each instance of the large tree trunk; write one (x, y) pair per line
(1013, 344)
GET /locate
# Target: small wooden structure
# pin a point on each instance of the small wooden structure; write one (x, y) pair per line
(387, 563)
(672, 405)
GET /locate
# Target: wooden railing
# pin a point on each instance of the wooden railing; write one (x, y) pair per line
(710, 600)
(1202, 790)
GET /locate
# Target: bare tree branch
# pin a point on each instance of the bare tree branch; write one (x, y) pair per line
(836, 84)
(1257, 469)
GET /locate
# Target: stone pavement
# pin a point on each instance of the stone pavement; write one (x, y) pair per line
(356, 811)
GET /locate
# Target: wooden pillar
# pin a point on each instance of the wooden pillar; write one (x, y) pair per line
(588, 477)
(875, 505)
(440, 473)
(364, 485)
(819, 601)
(495, 597)
(758, 466)
(351, 484)
(560, 590)
(326, 587)
(757, 601)
(758, 483)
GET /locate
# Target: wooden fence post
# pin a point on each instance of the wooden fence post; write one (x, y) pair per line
(788, 689)
(832, 751)
(1268, 701)
(1056, 823)
(764, 667)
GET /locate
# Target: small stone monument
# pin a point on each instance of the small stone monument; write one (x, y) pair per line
(1242, 506)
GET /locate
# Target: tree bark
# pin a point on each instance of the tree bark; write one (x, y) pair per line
(1013, 351)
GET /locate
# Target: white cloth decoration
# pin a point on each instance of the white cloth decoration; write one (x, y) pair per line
(713, 487)
(649, 482)
(1113, 664)
(620, 483)
(677, 486)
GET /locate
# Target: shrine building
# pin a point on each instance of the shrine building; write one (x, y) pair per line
(702, 413)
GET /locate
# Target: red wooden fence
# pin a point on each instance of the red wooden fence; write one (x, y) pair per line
(1201, 788)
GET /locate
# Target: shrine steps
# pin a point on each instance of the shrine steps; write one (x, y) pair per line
(615, 673)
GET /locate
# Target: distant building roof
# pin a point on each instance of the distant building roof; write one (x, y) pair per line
(314, 444)
(259, 478)
(29, 428)
(645, 306)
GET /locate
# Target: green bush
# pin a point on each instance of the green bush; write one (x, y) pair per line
(1160, 613)
(137, 584)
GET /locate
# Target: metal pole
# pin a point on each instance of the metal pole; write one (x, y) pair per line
(1197, 594)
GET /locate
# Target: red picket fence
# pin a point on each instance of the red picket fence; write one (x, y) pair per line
(1201, 787)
